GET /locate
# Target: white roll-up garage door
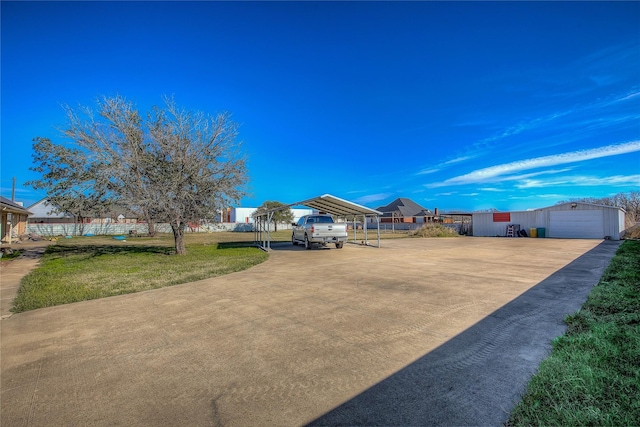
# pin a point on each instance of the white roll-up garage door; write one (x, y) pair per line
(578, 224)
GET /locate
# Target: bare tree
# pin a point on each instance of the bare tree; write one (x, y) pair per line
(172, 166)
(70, 182)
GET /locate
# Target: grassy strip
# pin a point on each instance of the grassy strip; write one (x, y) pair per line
(592, 377)
(81, 269)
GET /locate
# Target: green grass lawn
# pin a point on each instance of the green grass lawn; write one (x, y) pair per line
(592, 377)
(84, 268)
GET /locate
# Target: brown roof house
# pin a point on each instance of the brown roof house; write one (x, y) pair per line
(14, 220)
(405, 210)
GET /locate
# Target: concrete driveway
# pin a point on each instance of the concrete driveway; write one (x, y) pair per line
(418, 332)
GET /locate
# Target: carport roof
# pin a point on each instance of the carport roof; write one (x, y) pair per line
(326, 203)
(330, 204)
(337, 206)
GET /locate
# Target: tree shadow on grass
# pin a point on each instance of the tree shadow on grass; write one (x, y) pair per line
(62, 251)
(233, 245)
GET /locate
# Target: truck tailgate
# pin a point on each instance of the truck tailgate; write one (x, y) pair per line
(329, 230)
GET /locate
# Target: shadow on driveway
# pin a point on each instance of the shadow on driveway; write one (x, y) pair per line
(477, 377)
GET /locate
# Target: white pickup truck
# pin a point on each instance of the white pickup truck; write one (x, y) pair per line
(319, 229)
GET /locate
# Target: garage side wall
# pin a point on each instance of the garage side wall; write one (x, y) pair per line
(577, 221)
(584, 221)
(622, 222)
(485, 226)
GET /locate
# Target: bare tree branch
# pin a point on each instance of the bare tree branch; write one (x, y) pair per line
(170, 165)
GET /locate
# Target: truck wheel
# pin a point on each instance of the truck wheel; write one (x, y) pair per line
(293, 240)
(339, 245)
(307, 243)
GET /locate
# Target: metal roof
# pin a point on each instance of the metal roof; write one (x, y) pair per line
(327, 203)
(8, 205)
(337, 206)
(331, 205)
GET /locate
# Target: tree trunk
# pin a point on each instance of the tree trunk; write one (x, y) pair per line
(151, 226)
(178, 236)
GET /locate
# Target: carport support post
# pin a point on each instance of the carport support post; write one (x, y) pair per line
(364, 228)
(269, 218)
(263, 233)
(259, 230)
(355, 230)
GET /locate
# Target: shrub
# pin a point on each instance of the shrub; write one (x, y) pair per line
(435, 230)
(632, 232)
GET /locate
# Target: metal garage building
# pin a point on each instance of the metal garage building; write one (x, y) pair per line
(573, 220)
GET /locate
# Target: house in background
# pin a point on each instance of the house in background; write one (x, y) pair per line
(14, 219)
(115, 215)
(44, 212)
(405, 211)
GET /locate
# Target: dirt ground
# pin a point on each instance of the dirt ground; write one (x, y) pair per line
(354, 336)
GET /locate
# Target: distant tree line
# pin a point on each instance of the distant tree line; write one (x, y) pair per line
(630, 202)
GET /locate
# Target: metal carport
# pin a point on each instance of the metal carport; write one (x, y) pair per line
(327, 203)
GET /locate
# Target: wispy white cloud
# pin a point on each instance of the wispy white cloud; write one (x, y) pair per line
(18, 190)
(553, 196)
(590, 181)
(444, 165)
(629, 96)
(582, 115)
(526, 126)
(492, 189)
(504, 172)
(523, 176)
(372, 198)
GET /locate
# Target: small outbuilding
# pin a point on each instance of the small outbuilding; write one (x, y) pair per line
(572, 220)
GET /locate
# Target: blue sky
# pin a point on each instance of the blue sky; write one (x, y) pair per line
(456, 105)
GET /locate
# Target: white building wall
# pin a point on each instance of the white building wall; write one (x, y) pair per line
(298, 213)
(611, 217)
(613, 220)
(42, 209)
(483, 224)
(245, 215)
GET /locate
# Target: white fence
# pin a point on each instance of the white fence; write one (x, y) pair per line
(70, 229)
(52, 230)
(113, 229)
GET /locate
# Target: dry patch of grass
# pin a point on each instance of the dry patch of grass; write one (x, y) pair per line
(435, 230)
(633, 232)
